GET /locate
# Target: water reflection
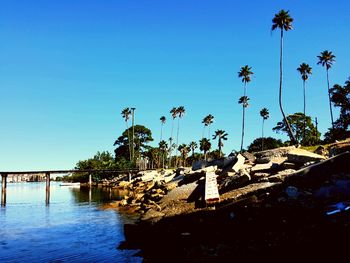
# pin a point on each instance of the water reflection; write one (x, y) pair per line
(71, 229)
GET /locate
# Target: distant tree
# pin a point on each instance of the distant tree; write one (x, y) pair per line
(205, 146)
(245, 73)
(126, 112)
(264, 113)
(326, 59)
(163, 148)
(222, 136)
(142, 136)
(183, 149)
(162, 121)
(305, 70)
(180, 112)
(244, 101)
(173, 113)
(101, 161)
(269, 143)
(296, 120)
(208, 120)
(340, 97)
(283, 21)
(193, 145)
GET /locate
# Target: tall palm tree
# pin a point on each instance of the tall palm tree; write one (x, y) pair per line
(305, 70)
(183, 149)
(283, 21)
(208, 120)
(173, 113)
(162, 121)
(327, 59)
(222, 136)
(244, 101)
(193, 145)
(180, 113)
(126, 112)
(264, 113)
(163, 147)
(245, 74)
(205, 146)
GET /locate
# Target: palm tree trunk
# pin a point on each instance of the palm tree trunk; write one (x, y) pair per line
(161, 132)
(127, 128)
(209, 132)
(289, 129)
(171, 142)
(177, 137)
(203, 131)
(262, 135)
(220, 147)
(329, 97)
(304, 111)
(243, 127)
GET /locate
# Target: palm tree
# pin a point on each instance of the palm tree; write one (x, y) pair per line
(208, 120)
(222, 136)
(126, 112)
(205, 146)
(162, 121)
(244, 101)
(173, 113)
(180, 112)
(327, 59)
(305, 70)
(245, 74)
(193, 145)
(183, 149)
(264, 113)
(163, 147)
(283, 21)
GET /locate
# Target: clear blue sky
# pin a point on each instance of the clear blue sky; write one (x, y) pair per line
(68, 68)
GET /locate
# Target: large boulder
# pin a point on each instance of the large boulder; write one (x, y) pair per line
(303, 156)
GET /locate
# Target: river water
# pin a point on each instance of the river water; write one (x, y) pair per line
(74, 227)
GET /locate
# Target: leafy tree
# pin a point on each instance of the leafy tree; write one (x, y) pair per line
(162, 121)
(264, 113)
(126, 112)
(326, 59)
(305, 70)
(245, 74)
(222, 136)
(283, 21)
(101, 161)
(142, 136)
(296, 120)
(340, 96)
(269, 143)
(205, 146)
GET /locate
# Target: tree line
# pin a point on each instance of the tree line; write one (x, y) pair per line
(132, 147)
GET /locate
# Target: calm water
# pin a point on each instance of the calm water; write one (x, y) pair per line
(72, 228)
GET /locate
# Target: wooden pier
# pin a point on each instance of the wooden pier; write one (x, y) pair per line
(48, 174)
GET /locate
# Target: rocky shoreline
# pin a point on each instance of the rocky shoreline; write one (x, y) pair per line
(281, 202)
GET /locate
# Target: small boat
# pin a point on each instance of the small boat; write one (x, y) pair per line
(69, 184)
